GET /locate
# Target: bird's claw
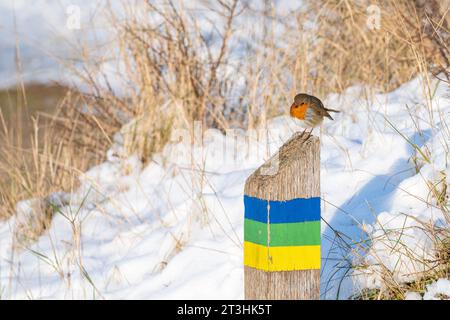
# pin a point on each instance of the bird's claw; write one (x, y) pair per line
(309, 134)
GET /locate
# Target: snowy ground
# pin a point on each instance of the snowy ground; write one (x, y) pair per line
(44, 35)
(174, 228)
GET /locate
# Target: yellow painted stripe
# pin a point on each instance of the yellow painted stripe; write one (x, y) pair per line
(281, 258)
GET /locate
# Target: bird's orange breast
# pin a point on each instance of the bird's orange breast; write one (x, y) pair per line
(299, 111)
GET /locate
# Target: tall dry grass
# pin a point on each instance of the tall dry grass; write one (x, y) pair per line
(235, 63)
(36, 159)
(433, 269)
(228, 63)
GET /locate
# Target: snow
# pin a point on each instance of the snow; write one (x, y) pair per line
(46, 35)
(413, 296)
(438, 290)
(173, 229)
(49, 34)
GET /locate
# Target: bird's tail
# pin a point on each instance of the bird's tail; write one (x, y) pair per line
(332, 110)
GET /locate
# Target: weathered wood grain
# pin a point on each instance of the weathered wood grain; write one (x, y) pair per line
(295, 174)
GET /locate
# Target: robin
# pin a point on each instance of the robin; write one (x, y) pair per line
(309, 110)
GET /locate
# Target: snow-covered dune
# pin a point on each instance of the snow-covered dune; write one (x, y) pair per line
(174, 227)
(38, 39)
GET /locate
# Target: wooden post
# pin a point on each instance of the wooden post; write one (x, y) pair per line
(282, 224)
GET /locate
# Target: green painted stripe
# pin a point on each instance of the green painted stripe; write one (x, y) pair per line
(283, 234)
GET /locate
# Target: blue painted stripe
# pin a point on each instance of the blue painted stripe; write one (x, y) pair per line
(295, 210)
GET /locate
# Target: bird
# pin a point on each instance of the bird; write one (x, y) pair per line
(310, 111)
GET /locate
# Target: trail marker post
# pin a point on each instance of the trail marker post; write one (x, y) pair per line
(282, 224)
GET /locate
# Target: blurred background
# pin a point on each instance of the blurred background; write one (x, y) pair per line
(73, 73)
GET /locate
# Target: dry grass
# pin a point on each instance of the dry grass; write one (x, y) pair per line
(35, 161)
(425, 267)
(220, 70)
(436, 268)
(171, 77)
(353, 50)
